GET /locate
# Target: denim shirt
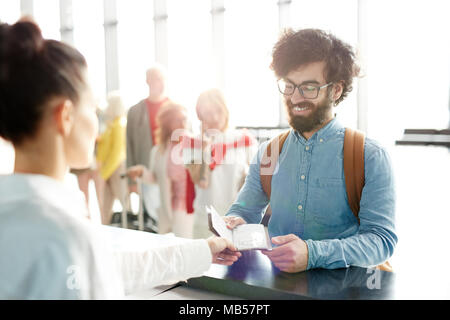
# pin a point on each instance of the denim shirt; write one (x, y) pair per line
(309, 199)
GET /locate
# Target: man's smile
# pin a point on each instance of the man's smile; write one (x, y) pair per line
(297, 110)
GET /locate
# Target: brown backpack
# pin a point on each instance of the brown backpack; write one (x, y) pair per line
(353, 172)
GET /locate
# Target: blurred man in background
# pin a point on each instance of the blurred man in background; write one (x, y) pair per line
(141, 129)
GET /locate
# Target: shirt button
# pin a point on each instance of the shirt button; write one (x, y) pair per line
(307, 148)
(300, 207)
(302, 177)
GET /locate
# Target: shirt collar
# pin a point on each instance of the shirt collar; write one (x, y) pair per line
(323, 134)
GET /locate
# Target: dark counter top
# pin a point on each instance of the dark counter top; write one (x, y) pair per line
(254, 277)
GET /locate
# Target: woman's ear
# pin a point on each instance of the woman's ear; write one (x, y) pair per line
(64, 117)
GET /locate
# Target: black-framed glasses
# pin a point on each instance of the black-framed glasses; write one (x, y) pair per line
(308, 91)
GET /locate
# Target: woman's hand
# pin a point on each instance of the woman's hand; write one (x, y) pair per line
(223, 251)
(135, 172)
(140, 171)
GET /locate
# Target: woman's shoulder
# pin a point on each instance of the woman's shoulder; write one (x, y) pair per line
(35, 207)
(37, 218)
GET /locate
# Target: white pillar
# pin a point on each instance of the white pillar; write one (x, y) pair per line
(284, 14)
(218, 42)
(161, 35)
(111, 50)
(66, 21)
(284, 21)
(362, 92)
(26, 7)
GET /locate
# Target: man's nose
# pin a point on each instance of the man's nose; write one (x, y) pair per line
(296, 97)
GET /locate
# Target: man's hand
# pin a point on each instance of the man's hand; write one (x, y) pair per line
(223, 251)
(233, 222)
(291, 255)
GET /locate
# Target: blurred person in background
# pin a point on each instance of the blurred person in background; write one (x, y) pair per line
(92, 172)
(168, 171)
(141, 133)
(43, 238)
(224, 160)
(111, 152)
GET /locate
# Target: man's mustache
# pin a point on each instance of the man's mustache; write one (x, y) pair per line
(302, 104)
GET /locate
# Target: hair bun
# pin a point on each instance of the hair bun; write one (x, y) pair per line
(23, 40)
(3, 33)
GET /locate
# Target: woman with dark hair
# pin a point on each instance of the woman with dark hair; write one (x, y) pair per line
(48, 250)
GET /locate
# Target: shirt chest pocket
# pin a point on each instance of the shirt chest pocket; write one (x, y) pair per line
(327, 202)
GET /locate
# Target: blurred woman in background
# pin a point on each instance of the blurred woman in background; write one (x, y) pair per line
(167, 169)
(226, 155)
(111, 152)
(92, 173)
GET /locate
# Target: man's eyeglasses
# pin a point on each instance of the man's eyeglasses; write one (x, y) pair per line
(308, 91)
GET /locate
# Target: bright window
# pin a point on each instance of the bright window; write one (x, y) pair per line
(46, 14)
(189, 50)
(409, 50)
(89, 40)
(251, 29)
(9, 11)
(136, 48)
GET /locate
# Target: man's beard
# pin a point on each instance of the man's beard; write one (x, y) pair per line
(320, 114)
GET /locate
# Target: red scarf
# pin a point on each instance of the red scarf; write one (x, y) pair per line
(216, 156)
(190, 193)
(218, 150)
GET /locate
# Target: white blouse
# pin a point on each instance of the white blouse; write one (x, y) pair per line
(48, 250)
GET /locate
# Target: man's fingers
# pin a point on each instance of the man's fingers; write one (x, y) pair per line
(280, 258)
(274, 252)
(277, 252)
(285, 267)
(233, 222)
(280, 240)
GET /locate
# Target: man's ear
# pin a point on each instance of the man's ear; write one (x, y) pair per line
(338, 88)
(64, 117)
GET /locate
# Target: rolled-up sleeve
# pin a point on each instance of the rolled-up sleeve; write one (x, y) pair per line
(376, 238)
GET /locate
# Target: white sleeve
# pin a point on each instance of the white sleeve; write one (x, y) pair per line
(142, 270)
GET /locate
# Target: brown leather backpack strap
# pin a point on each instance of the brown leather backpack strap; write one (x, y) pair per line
(269, 161)
(267, 168)
(354, 175)
(354, 167)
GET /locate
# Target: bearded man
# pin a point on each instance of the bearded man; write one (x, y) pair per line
(312, 225)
